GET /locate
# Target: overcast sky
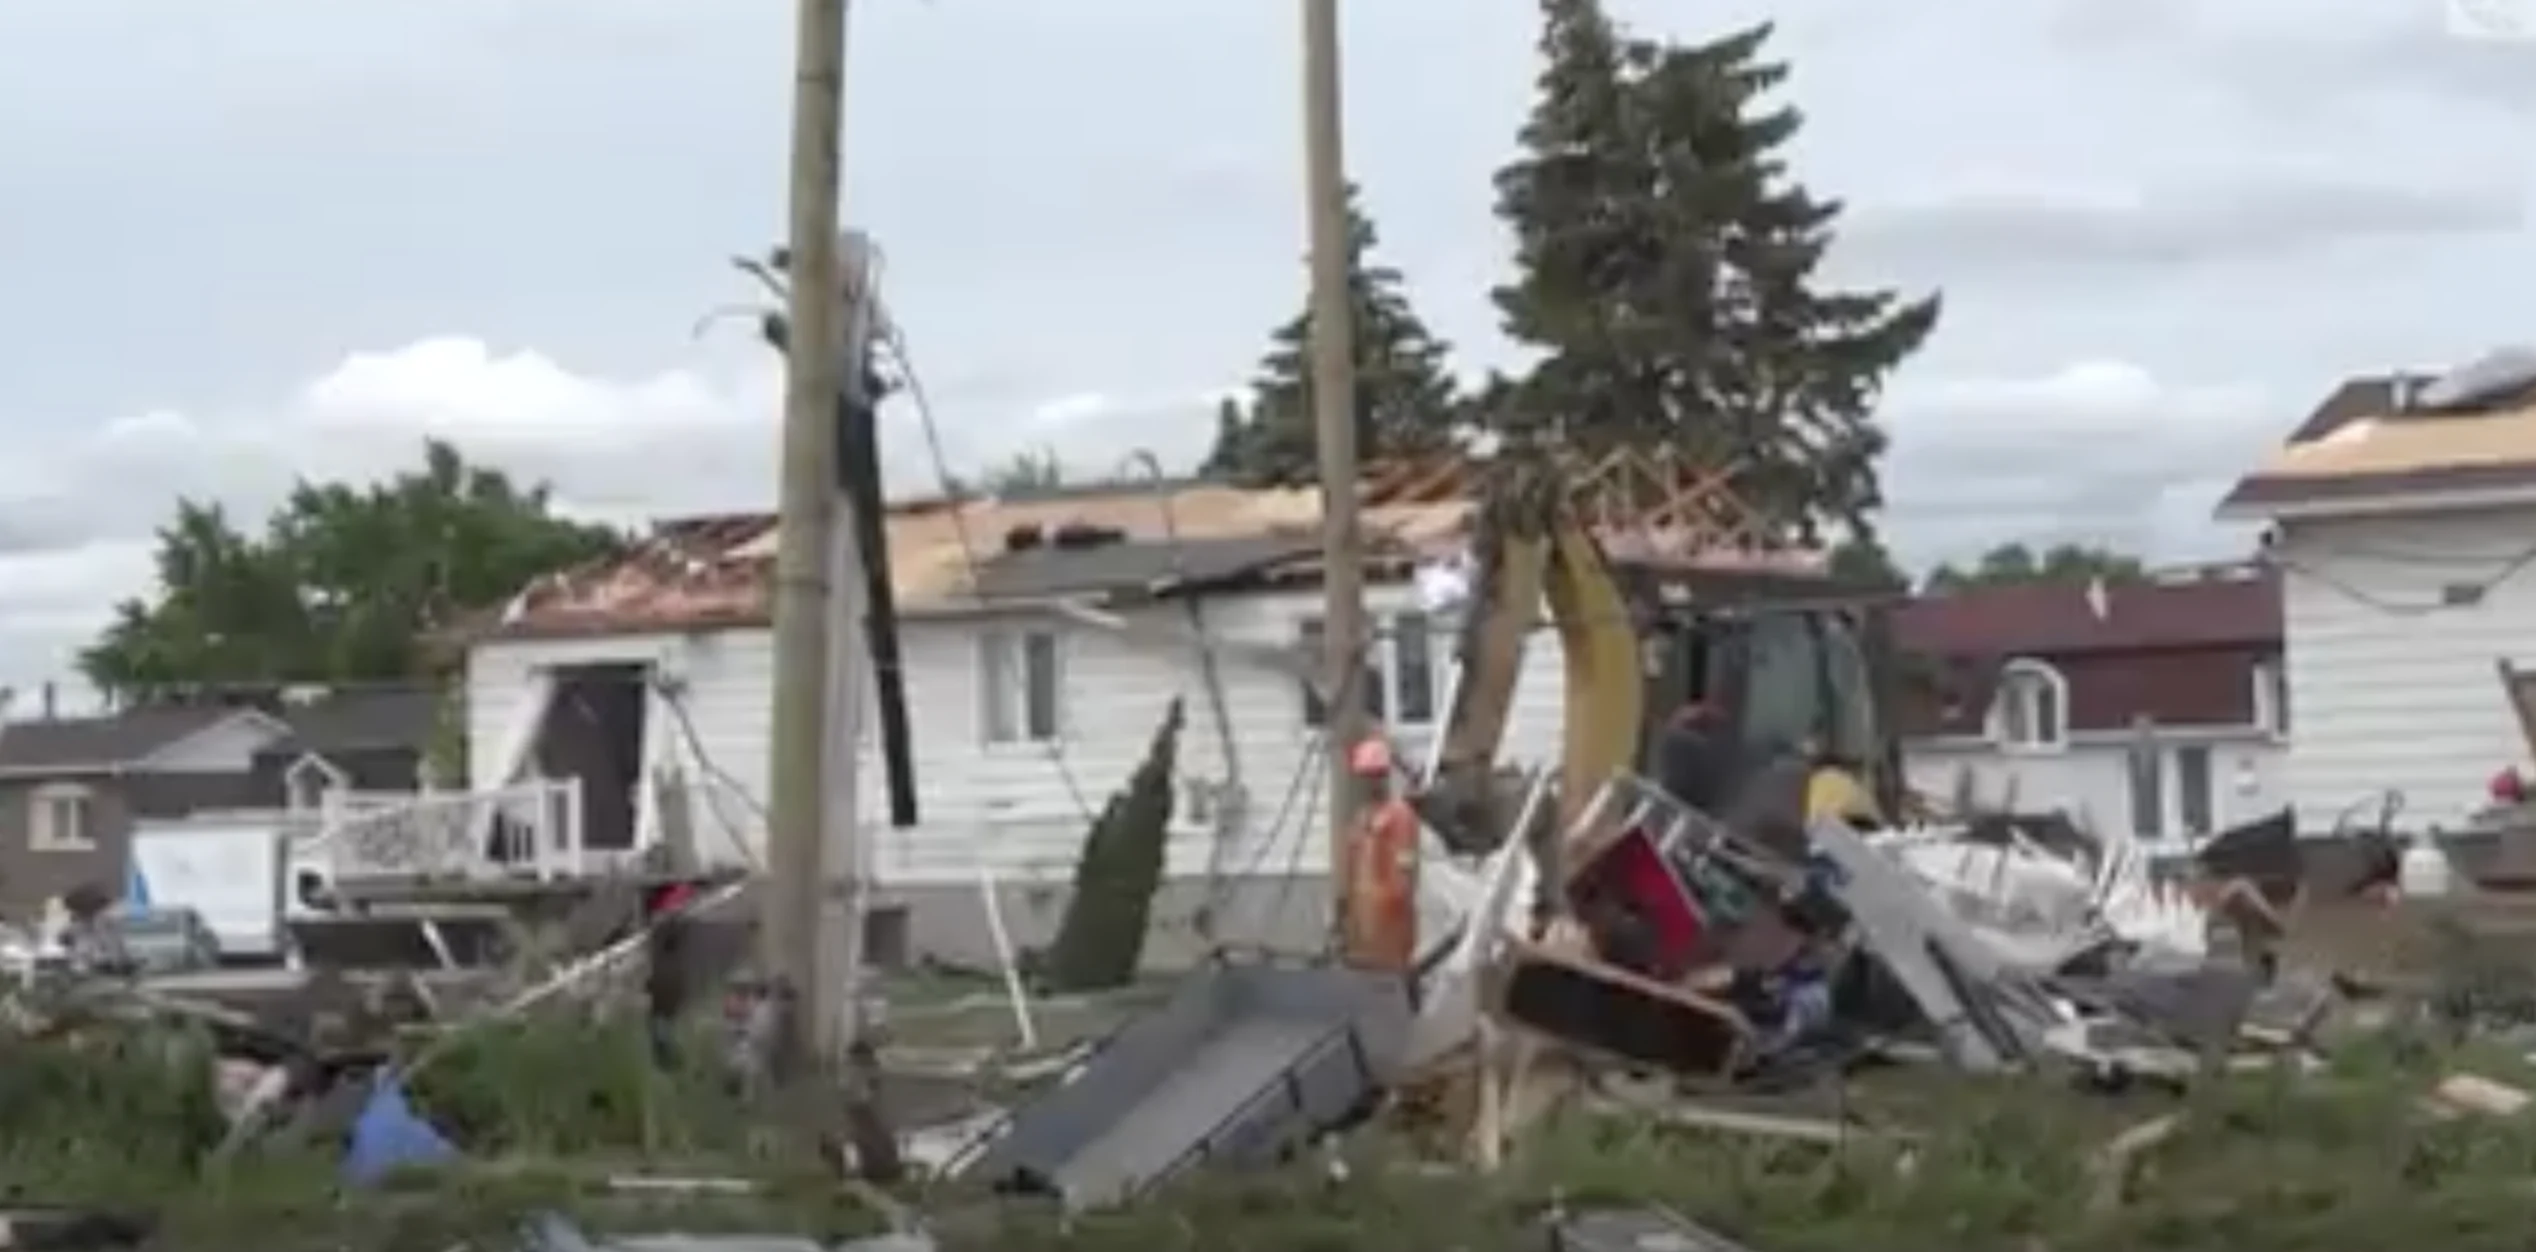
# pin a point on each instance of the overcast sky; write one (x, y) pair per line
(249, 239)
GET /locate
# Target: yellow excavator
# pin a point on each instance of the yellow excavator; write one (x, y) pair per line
(1782, 673)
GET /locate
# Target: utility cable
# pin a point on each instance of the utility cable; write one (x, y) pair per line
(2503, 569)
(723, 782)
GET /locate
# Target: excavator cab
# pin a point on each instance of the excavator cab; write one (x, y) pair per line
(1782, 683)
(1781, 663)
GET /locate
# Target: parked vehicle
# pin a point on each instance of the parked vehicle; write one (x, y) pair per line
(148, 942)
(26, 952)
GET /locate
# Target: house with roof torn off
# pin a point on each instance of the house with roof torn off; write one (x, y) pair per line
(1042, 639)
(2402, 517)
(2154, 708)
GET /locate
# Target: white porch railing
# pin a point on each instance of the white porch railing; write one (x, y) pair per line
(532, 829)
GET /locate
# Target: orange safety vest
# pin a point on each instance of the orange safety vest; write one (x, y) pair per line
(1381, 899)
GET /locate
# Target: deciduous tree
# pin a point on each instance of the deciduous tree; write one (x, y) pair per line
(343, 583)
(2020, 563)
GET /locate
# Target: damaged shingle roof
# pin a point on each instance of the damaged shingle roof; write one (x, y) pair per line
(950, 556)
(1134, 565)
(2370, 437)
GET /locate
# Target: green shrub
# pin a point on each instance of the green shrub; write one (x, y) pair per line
(1101, 940)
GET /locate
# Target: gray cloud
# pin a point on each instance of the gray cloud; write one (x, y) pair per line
(2095, 451)
(2254, 218)
(2317, 62)
(500, 220)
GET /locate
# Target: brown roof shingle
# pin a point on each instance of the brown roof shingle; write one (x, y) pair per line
(2178, 653)
(2057, 619)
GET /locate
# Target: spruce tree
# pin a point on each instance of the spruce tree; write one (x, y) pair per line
(1587, 233)
(1668, 273)
(1406, 398)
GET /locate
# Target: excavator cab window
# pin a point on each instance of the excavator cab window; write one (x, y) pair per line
(1783, 693)
(1852, 737)
(1806, 688)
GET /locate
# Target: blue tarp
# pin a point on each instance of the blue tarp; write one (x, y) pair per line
(389, 1136)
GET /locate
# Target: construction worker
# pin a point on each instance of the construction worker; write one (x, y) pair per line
(1379, 929)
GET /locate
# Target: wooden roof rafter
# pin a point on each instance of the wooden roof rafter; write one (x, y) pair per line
(1669, 498)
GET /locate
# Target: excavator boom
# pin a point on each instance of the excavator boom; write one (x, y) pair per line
(1789, 682)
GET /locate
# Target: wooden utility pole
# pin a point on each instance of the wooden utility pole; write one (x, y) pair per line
(808, 518)
(1334, 416)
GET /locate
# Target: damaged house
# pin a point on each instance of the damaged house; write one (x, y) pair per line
(2402, 515)
(1041, 639)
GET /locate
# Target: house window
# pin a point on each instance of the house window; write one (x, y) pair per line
(1020, 678)
(2196, 796)
(2148, 793)
(308, 781)
(1399, 673)
(2271, 697)
(2032, 708)
(60, 819)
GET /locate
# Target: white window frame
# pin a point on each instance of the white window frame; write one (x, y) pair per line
(2214, 809)
(2148, 794)
(330, 779)
(2030, 712)
(2271, 697)
(1384, 657)
(46, 807)
(1012, 660)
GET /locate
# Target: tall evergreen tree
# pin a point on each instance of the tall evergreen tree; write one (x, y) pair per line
(1406, 398)
(1668, 273)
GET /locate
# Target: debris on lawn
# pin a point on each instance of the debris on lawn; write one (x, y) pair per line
(1657, 976)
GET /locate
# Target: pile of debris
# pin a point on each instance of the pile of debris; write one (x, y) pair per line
(1664, 942)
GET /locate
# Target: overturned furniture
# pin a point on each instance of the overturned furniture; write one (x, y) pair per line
(1244, 1065)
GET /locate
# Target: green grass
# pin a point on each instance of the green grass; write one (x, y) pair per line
(2262, 1163)
(127, 1119)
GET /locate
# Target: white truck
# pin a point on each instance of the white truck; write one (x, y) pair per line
(232, 870)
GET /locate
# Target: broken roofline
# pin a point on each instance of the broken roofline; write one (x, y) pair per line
(2370, 446)
(744, 605)
(2260, 497)
(710, 573)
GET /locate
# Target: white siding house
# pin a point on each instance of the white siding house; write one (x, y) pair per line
(2150, 707)
(2404, 536)
(2392, 659)
(1024, 724)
